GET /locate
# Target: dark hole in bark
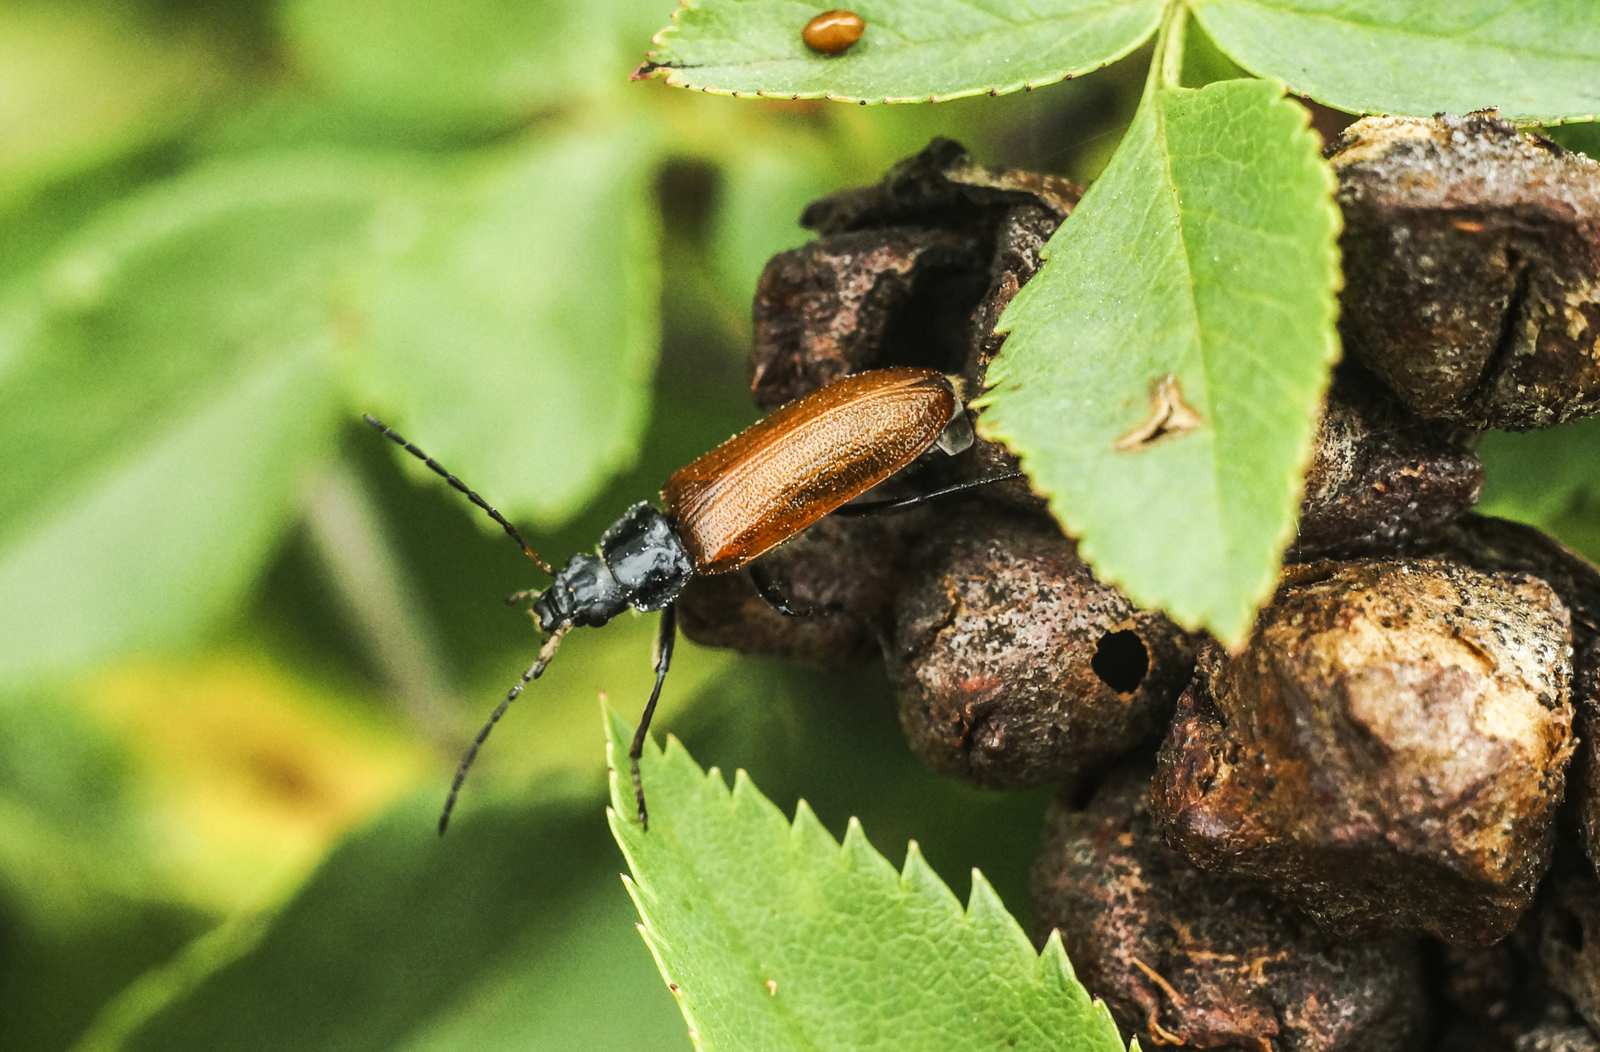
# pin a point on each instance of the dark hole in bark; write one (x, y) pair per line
(1566, 929)
(1120, 660)
(1080, 794)
(932, 328)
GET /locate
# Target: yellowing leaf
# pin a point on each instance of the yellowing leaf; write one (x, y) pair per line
(250, 776)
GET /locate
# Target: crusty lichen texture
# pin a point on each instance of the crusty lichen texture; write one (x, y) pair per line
(1389, 750)
(1379, 476)
(1472, 268)
(1203, 958)
(1015, 666)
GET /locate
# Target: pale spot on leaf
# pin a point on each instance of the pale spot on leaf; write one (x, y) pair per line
(1169, 417)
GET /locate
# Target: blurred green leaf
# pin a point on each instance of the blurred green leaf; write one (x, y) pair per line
(1194, 280)
(1531, 58)
(53, 983)
(80, 908)
(1578, 526)
(765, 187)
(149, 544)
(507, 934)
(776, 937)
(32, 226)
(912, 51)
(164, 380)
(1536, 474)
(1548, 478)
(71, 854)
(61, 776)
(1582, 138)
(83, 82)
(489, 61)
(514, 317)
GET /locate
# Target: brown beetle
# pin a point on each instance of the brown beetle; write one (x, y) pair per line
(833, 32)
(750, 494)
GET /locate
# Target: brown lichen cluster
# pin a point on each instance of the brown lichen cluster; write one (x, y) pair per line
(1472, 253)
(1375, 826)
(1387, 753)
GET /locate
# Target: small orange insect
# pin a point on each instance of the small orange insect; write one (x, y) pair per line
(833, 31)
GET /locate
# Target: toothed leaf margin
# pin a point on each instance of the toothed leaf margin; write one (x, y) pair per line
(774, 936)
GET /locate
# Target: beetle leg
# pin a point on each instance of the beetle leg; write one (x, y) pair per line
(527, 593)
(666, 635)
(875, 506)
(774, 595)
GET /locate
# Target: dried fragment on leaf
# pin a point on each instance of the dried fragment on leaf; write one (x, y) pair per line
(1169, 417)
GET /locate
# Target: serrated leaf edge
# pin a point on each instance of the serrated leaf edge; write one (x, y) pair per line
(1088, 549)
(651, 68)
(1202, 11)
(1049, 967)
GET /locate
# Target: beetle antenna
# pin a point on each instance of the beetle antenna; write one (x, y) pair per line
(394, 436)
(536, 670)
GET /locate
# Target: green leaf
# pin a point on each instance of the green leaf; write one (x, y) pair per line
(493, 61)
(501, 296)
(912, 51)
(1548, 478)
(775, 936)
(1532, 58)
(1205, 253)
(488, 939)
(82, 83)
(164, 381)
(765, 187)
(1534, 475)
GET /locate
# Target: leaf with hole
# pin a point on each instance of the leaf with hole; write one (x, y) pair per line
(1163, 372)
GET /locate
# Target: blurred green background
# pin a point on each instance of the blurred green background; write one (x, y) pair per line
(242, 641)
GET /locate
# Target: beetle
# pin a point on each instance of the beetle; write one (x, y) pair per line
(833, 32)
(720, 513)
